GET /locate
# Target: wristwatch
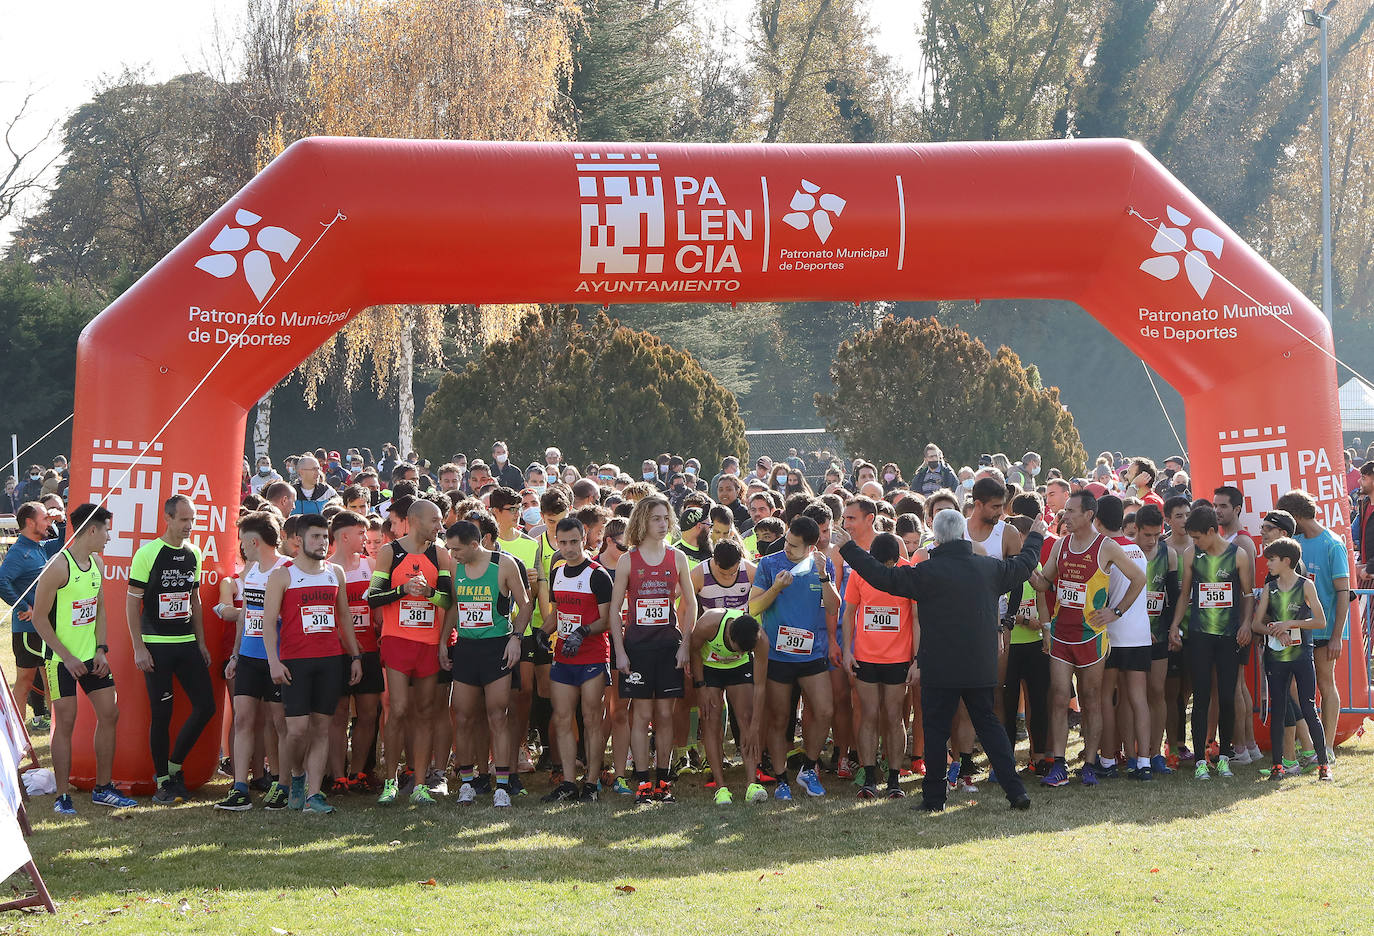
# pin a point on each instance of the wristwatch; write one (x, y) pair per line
(823, 577)
(1118, 612)
(356, 656)
(699, 683)
(103, 648)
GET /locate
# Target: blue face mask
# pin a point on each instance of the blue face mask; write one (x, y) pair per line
(530, 515)
(648, 476)
(264, 470)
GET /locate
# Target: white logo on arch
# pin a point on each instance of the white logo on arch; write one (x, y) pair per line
(257, 265)
(1194, 247)
(813, 208)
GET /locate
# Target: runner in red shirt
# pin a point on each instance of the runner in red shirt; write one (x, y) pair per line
(361, 701)
(311, 598)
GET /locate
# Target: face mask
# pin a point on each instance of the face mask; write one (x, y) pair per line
(967, 484)
(500, 459)
(1035, 471)
(648, 476)
(690, 472)
(539, 489)
(263, 470)
(782, 479)
(34, 477)
(530, 515)
(334, 465)
(662, 469)
(889, 477)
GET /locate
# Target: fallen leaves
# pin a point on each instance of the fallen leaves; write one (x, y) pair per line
(625, 888)
(430, 883)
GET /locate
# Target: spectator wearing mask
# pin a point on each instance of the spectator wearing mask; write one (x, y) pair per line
(506, 474)
(263, 477)
(336, 473)
(32, 488)
(934, 474)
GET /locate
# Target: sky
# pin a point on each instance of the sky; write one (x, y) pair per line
(60, 49)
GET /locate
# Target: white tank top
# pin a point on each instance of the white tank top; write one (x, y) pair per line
(1132, 629)
(993, 545)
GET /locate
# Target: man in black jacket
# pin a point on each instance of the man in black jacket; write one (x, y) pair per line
(957, 595)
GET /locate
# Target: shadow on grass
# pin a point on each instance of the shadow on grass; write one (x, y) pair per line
(194, 847)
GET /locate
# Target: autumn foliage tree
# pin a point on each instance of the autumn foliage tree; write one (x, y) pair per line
(596, 390)
(913, 381)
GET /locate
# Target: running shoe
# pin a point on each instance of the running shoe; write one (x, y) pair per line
(1292, 768)
(1277, 772)
(340, 785)
(845, 768)
(621, 787)
(782, 792)
(1056, 776)
(966, 785)
(895, 792)
(64, 805)
(515, 786)
(39, 723)
(723, 797)
(107, 795)
(1324, 772)
(1213, 750)
(226, 767)
(525, 764)
(437, 781)
(296, 800)
(810, 782)
(1159, 764)
(1184, 754)
(1242, 756)
(1089, 775)
(275, 797)
(1144, 773)
(420, 796)
(261, 783)
(1104, 773)
(918, 766)
(166, 794)
(644, 793)
(1255, 754)
(565, 792)
(317, 805)
(544, 761)
(663, 792)
(482, 784)
(763, 776)
(389, 792)
(501, 798)
(236, 801)
(466, 795)
(589, 793)
(1224, 767)
(1202, 772)
(696, 759)
(868, 792)
(952, 776)
(756, 793)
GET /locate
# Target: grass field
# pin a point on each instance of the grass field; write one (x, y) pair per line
(1172, 856)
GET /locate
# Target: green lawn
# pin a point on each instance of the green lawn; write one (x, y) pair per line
(1170, 856)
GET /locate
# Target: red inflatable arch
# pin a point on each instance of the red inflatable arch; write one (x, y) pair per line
(333, 226)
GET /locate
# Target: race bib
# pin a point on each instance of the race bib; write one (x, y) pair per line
(83, 612)
(473, 615)
(173, 606)
(1154, 603)
(317, 619)
(1214, 595)
(252, 622)
(1072, 594)
(416, 613)
(652, 612)
(796, 640)
(882, 619)
(1291, 639)
(362, 617)
(567, 623)
(1028, 609)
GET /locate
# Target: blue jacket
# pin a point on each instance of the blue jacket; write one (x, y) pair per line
(23, 563)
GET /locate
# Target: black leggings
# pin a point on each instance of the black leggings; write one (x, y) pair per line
(182, 662)
(1202, 652)
(1279, 674)
(1027, 662)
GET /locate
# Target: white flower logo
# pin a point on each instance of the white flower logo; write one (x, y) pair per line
(805, 211)
(1172, 240)
(257, 266)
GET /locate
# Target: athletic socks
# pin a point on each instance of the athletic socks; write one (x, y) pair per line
(870, 774)
(1107, 762)
(1142, 762)
(242, 788)
(467, 773)
(808, 763)
(661, 774)
(641, 776)
(966, 768)
(502, 776)
(893, 777)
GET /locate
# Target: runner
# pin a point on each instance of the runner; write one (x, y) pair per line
(505, 504)
(1288, 612)
(724, 644)
(413, 585)
(1028, 666)
(259, 536)
(360, 702)
(880, 645)
(797, 600)
(485, 653)
(310, 596)
(1229, 502)
(617, 721)
(553, 506)
(1125, 679)
(167, 633)
(649, 650)
(581, 593)
(23, 562)
(69, 615)
(1161, 594)
(1078, 570)
(695, 528)
(1178, 687)
(1141, 474)
(1328, 566)
(1215, 585)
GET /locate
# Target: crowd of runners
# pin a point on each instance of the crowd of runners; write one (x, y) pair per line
(415, 635)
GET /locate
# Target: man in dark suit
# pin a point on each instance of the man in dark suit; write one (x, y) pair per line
(956, 594)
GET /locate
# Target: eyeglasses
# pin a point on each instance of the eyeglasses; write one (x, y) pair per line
(619, 544)
(1268, 526)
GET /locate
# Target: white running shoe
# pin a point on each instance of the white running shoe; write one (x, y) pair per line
(1255, 753)
(500, 798)
(1242, 756)
(466, 795)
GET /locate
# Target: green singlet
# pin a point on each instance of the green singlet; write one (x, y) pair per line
(479, 616)
(715, 654)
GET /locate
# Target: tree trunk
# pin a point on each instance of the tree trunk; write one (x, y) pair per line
(405, 373)
(262, 426)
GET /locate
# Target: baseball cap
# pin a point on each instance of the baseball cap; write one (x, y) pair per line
(334, 456)
(690, 518)
(1283, 520)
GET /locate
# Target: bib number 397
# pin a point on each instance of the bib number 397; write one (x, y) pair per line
(794, 640)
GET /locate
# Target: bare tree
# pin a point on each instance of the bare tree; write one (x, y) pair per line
(22, 170)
